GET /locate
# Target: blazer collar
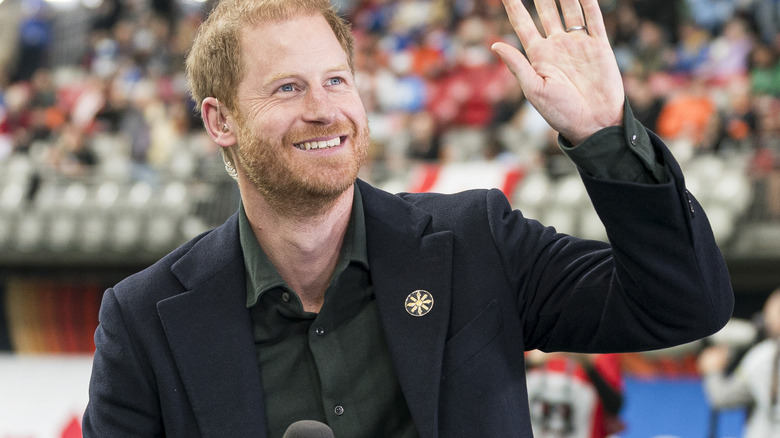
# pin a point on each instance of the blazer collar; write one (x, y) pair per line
(210, 335)
(406, 257)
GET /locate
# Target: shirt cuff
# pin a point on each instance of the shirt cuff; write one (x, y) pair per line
(622, 153)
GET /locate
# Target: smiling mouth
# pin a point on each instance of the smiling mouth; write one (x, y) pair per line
(322, 144)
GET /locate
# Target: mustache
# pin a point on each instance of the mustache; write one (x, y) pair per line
(309, 132)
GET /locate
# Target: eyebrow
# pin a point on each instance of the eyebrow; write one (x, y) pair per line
(284, 75)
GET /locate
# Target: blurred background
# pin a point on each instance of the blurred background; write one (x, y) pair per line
(104, 165)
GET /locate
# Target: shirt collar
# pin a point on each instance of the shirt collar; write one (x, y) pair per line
(262, 276)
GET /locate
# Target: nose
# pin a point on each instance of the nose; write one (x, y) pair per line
(318, 106)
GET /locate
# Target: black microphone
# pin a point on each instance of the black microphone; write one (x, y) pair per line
(308, 429)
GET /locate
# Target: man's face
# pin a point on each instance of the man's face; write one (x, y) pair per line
(303, 131)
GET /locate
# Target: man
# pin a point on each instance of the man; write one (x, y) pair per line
(326, 299)
(755, 383)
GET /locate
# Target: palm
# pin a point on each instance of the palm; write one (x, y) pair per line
(570, 77)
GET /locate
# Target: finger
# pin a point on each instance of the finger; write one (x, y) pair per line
(518, 64)
(521, 21)
(593, 18)
(549, 16)
(572, 13)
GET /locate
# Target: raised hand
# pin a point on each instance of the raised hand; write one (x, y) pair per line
(570, 73)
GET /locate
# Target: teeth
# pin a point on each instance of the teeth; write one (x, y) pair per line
(309, 145)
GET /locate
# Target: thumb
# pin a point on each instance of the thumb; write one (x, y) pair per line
(518, 64)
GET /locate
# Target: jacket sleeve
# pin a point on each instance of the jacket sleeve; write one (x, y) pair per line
(661, 280)
(122, 399)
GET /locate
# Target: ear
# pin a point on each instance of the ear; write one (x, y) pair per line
(218, 122)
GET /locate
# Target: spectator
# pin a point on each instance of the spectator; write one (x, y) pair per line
(766, 15)
(34, 39)
(17, 118)
(645, 101)
(691, 51)
(711, 14)
(755, 382)
(71, 154)
(690, 115)
(650, 46)
(737, 119)
(575, 395)
(728, 53)
(665, 13)
(46, 115)
(464, 100)
(553, 160)
(764, 70)
(10, 16)
(766, 161)
(423, 137)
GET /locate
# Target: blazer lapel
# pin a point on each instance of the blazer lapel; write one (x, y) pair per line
(210, 334)
(404, 260)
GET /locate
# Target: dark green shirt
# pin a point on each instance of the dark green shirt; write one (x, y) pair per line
(334, 366)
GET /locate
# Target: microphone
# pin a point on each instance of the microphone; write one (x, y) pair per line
(308, 429)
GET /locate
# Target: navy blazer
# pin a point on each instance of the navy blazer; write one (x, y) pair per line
(175, 354)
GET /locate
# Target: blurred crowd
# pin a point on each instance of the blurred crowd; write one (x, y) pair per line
(84, 83)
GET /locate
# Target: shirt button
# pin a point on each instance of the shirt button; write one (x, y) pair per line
(338, 410)
(320, 331)
(633, 140)
(286, 297)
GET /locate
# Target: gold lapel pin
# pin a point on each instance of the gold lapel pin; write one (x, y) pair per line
(419, 303)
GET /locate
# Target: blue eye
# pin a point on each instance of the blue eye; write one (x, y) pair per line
(336, 81)
(286, 87)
